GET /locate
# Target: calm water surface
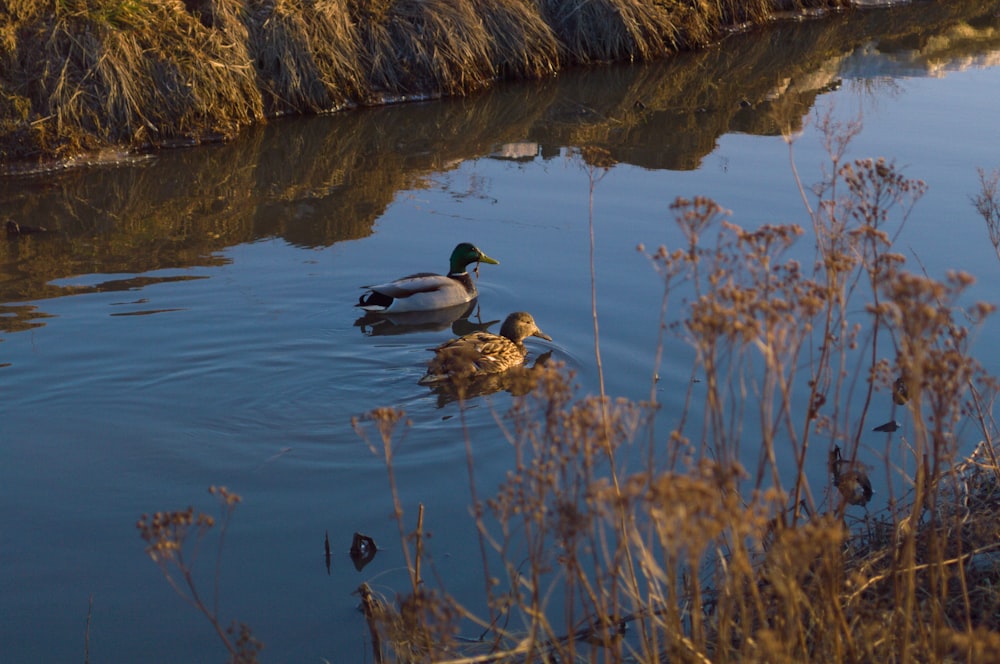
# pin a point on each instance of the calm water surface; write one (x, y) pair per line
(188, 321)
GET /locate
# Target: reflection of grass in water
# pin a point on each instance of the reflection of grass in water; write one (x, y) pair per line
(19, 318)
(695, 559)
(185, 207)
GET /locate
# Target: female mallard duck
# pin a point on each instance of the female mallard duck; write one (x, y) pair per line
(483, 353)
(425, 290)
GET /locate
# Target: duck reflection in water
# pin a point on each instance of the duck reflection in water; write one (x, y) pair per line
(375, 324)
(518, 381)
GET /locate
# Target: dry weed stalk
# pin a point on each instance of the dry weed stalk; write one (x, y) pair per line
(690, 557)
(987, 204)
(173, 540)
(420, 625)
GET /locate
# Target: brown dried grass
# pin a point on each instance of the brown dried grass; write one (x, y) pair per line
(126, 72)
(304, 53)
(611, 30)
(426, 47)
(83, 74)
(522, 44)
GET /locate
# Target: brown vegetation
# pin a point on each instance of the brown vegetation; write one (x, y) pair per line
(696, 558)
(173, 542)
(79, 75)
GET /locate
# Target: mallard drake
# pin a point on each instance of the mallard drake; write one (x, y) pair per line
(484, 353)
(850, 479)
(425, 290)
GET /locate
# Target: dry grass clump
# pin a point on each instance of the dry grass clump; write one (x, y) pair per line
(953, 573)
(433, 46)
(304, 54)
(609, 30)
(97, 72)
(522, 44)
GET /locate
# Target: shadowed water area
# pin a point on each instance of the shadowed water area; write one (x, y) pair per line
(186, 319)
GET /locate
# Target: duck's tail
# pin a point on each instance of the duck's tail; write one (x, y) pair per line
(372, 300)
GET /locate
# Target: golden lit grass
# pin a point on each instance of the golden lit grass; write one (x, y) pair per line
(611, 30)
(521, 43)
(304, 53)
(124, 72)
(432, 46)
(82, 74)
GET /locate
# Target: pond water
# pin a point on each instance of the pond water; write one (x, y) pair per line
(188, 318)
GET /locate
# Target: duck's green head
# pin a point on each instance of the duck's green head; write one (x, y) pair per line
(466, 253)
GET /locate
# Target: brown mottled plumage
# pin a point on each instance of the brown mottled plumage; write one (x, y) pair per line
(483, 353)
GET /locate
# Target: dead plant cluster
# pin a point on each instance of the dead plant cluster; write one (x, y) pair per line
(733, 542)
(79, 75)
(173, 541)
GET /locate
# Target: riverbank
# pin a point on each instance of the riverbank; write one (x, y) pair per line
(86, 77)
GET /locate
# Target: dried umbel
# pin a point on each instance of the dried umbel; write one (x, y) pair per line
(173, 541)
(166, 532)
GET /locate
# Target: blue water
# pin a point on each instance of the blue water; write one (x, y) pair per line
(243, 365)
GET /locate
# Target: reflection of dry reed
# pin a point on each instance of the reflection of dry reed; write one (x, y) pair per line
(183, 207)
